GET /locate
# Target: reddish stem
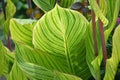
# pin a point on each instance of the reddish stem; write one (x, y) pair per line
(4, 11)
(103, 41)
(9, 42)
(94, 33)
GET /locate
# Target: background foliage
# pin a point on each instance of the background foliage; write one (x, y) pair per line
(62, 58)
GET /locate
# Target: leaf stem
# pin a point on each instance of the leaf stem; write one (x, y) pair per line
(4, 11)
(94, 33)
(9, 42)
(102, 39)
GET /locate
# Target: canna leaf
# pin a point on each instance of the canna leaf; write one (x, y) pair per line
(66, 3)
(112, 15)
(98, 12)
(21, 30)
(93, 61)
(16, 73)
(6, 60)
(103, 6)
(37, 72)
(63, 39)
(10, 11)
(45, 5)
(112, 63)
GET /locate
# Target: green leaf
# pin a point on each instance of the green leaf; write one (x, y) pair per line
(10, 71)
(45, 5)
(10, 11)
(103, 6)
(6, 60)
(112, 15)
(1, 19)
(26, 59)
(112, 63)
(66, 3)
(98, 12)
(21, 30)
(93, 61)
(60, 33)
(16, 73)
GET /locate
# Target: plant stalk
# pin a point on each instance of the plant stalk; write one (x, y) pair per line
(102, 39)
(94, 33)
(9, 42)
(4, 11)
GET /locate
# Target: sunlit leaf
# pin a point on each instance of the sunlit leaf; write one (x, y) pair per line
(98, 12)
(36, 65)
(112, 15)
(6, 60)
(21, 30)
(60, 33)
(112, 63)
(103, 6)
(16, 73)
(93, 61)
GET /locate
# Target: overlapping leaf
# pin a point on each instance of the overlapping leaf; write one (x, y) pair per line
(93, 61)
(45, 5)
(112, 14)
(21, 30)
(66, 3)
(112, 63)
(103, 6)
(60, 33)
(6, 60)
(98, 12)
(16, 73)
(39, 65)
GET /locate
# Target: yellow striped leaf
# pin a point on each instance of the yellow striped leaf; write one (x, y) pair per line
(60, 33)
(112, 63)
(21, 30)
